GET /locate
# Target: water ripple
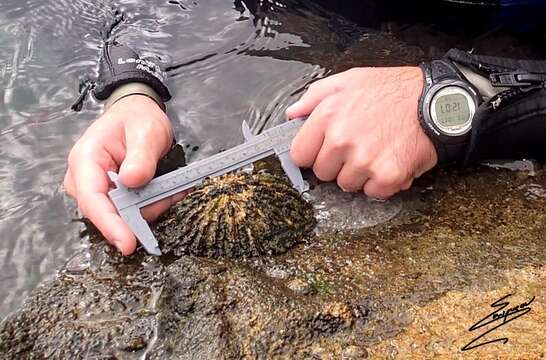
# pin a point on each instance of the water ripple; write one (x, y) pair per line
(45, 47)
(227, 62)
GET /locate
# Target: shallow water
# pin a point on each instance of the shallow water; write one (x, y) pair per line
(227, 61)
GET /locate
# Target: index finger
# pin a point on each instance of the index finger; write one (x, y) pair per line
(315, 94)
(310, 138)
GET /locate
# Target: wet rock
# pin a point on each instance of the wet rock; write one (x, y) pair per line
(174, 159)
(322, 353)
(78, 263)
(413, 285)
(447, 321)
(336, 209)
(522, 167)
(332, 317)
(534, 191)
(191, 308)
(97, 313)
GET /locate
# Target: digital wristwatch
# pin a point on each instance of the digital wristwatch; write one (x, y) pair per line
(446, 108)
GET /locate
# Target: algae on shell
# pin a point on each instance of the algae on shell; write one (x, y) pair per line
(234, 215)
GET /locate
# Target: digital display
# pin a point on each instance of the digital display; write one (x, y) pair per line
(452, 110)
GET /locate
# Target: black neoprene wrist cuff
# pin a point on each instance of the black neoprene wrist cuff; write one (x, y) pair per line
(119, 65)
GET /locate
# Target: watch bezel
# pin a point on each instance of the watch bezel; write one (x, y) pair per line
(469, 92)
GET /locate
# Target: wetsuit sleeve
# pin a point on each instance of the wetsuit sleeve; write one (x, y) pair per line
(120, 65)
(512, 123)
(517, 130)
(122, 72)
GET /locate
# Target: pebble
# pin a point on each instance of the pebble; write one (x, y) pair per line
(277, 273)
(300, 286)
(78, 264)
(353, 352)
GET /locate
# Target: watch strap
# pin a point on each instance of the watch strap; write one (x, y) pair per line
(450, 149)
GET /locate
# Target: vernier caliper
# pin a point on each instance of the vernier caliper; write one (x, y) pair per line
(129, 201)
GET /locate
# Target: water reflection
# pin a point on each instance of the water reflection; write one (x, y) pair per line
(350, 211)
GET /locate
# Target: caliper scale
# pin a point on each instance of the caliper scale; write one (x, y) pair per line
(274, 141)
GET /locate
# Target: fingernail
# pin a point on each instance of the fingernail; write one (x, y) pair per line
(292, 107)
(118, 244)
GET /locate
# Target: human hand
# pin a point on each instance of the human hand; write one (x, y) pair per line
(131, 137)
(364, 131)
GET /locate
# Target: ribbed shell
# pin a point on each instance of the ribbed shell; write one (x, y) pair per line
(234, 215)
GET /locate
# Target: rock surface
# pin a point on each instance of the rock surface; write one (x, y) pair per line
(409, 288)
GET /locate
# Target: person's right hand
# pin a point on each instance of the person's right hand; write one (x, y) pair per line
(129, 138)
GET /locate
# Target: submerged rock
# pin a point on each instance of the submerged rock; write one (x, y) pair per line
(437, 267)
(336, 209)
(101, 311)
(103, 305)
(235, 215)
(192, 308)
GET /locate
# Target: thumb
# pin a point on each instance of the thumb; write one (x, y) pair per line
(145, 143)
(317, 92)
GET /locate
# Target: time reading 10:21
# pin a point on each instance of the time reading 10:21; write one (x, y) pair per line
(450, 107)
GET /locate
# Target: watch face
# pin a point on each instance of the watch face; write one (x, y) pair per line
(452, 110)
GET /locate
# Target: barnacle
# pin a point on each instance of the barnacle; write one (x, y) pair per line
(234, 215)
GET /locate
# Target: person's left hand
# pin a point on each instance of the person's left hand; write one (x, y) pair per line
(363, 130)
(130, 137)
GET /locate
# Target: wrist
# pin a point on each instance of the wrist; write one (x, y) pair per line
(134, 89)
(428, 154)
(134, 104)
(137, 106)
(120, 65)
(120, 69)
(446, 109)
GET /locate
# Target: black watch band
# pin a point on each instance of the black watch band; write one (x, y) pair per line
(439, 74)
